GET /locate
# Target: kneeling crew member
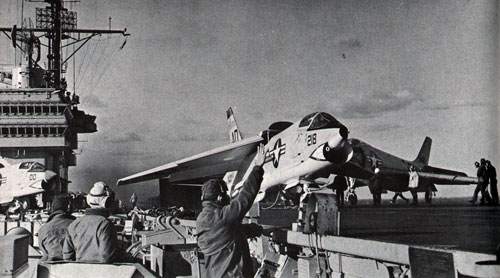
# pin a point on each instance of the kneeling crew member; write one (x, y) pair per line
(92, 238)
(222, 237)
(51, 234)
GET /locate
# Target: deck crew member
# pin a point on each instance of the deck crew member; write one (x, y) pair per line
(482, 183)
(478, 186)
(133, 200)
(92, 238)
(51, 234)
(492, 175)
(340, 184)
(376, 186)
(222, 237)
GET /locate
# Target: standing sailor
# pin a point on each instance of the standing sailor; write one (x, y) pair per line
(51, 234)
(222, 237)
(492, 175)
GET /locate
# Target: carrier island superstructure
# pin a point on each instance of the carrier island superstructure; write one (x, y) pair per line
(39, 117)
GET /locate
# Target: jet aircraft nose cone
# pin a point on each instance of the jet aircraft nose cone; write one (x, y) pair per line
(49, 175)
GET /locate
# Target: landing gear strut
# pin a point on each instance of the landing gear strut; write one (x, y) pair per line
(352, 198)
(25, 203)
(19, 205)
(340, 196)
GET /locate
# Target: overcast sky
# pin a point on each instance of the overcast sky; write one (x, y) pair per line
(392, 71)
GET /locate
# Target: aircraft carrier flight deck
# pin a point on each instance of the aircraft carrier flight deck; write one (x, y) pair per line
(451, 224)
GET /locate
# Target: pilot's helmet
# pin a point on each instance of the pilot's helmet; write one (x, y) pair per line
(476, 163)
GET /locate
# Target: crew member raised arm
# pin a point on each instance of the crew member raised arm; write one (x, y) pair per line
(222, 237)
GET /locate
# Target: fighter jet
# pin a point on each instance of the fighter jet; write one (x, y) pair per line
(296, 154)
(383, 172)
(23, 180)
(299, 157)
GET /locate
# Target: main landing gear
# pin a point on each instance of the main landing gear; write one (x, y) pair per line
(351, 197)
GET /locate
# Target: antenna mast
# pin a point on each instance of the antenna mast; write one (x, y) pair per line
(56, 23)
(39, 119)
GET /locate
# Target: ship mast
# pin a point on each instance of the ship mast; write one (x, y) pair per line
(53, 22)
(39, 121)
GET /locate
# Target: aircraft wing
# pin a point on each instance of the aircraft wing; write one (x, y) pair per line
(445, 176)
(448, 179)
(434, 175)
(354, 170)
(212, 163)
(8, 194)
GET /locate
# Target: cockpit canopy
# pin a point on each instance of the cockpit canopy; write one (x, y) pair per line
(32, 166)
(319, 120)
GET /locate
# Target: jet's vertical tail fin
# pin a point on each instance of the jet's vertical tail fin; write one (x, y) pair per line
(425, 152)
(234, 136)
(234, 131)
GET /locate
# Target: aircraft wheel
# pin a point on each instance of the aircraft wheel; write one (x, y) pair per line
(352, 199)
(428, 196)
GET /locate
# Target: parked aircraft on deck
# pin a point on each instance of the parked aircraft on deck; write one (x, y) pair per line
(383, 172)
(23, 180)
(298, 156)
